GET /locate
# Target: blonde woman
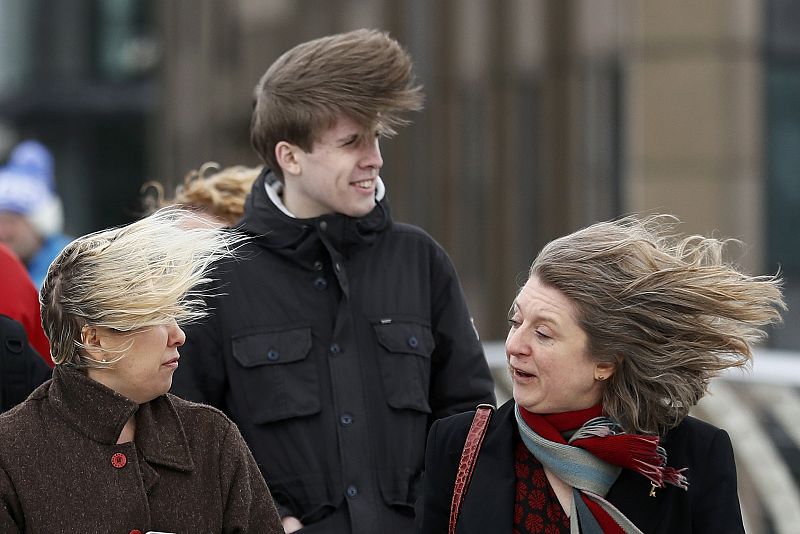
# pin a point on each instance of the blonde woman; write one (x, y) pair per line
(103, 447)
(215, 194)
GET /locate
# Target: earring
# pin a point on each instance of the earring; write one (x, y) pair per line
(601, 377)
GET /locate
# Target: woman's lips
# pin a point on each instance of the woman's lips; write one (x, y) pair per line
(520, 375)
(172, 363)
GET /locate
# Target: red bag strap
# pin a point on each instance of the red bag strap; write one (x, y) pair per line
(469, 455)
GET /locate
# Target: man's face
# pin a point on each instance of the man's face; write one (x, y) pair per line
(19, 234)
(338, 175)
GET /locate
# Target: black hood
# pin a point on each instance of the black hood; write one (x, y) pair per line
(301, 238)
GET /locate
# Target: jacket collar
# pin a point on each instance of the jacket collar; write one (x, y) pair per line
(275, 228)
(99, 413)
(274, 189)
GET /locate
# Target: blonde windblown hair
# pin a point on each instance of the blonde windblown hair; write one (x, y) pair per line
(129, 278)
(668, 310)
(211, 189)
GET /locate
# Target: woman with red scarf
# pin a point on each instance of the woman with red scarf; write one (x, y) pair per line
(613, 338)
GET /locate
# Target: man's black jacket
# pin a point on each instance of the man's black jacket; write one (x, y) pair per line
(335, 344)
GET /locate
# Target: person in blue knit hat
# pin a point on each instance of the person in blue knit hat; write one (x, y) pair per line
(31, 214)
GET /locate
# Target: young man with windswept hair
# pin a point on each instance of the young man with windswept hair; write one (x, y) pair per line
(344, 335)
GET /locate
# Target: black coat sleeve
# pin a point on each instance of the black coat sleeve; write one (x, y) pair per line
(717, 507)
(460, 377)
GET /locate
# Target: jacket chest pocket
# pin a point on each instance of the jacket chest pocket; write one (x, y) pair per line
(279, 379)
(405, 363)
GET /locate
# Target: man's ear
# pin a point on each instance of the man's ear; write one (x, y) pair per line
(287, 156)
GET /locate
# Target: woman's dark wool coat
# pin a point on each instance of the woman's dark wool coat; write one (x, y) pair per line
(188, 469)
(710, 505)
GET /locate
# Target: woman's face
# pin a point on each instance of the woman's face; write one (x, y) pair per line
(151, 357)
(547, 352)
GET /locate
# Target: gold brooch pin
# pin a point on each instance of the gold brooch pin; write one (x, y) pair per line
(653, 489)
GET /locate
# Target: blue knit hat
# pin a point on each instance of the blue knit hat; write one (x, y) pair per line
(27, 187)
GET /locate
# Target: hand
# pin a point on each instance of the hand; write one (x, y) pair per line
(291, 524)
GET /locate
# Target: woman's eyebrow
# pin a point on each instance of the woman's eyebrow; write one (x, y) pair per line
(546, 316)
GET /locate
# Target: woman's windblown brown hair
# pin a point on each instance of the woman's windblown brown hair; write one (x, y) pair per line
(668, 310)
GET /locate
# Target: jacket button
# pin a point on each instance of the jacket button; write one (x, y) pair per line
(320, 283)
(118, 460)
(323, 225)
(317, 265)
(352, 491)
(346, 419)
(338, 267)
(335, 348)
(412, 342)
(273, 355)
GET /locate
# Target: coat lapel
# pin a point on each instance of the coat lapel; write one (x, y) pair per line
(630, 494)
(160, 436)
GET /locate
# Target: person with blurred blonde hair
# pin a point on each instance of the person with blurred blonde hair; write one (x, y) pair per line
(612, 340)
(103, 446)
(215, 194)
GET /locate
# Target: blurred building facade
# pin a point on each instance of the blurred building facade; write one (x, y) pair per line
(542, 115)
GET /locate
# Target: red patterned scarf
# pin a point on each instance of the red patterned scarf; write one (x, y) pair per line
(606, 441)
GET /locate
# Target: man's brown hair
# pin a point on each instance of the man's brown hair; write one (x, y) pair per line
(363, 74)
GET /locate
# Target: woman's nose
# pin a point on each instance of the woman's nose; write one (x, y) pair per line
(177, 336)
(515, 343)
